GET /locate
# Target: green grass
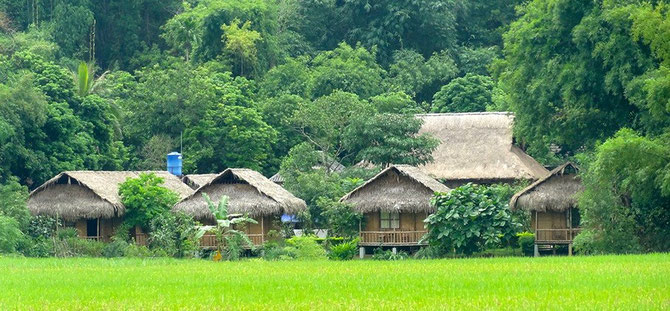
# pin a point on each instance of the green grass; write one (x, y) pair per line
(606, 282)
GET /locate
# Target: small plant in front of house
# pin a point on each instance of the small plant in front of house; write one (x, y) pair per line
(380, 254)
(527, 243)
(344, 251)
(230, 241)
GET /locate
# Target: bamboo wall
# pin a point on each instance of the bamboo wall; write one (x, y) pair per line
(408, 222)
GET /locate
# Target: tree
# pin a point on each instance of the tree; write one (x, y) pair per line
(567, 65)
(84, 79)
(241, 42)
(385, 139)
(471, 93)
(624, 207)
(411, 73)
(323, 122)
(347, 69)
(145, 198)
(228, 136)
(468, 219)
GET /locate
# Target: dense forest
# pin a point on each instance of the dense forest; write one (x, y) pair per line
(294, 85)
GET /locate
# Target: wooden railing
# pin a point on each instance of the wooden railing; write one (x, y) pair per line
(391, 238)
(94, 238)
(556, 235)
(209, 240)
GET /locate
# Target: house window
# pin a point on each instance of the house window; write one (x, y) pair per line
(389, 220)
(92, 227)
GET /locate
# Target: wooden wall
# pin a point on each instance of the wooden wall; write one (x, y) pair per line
(408, 222)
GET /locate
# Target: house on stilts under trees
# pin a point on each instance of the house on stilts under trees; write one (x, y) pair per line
(552, 203)
(249, 193)
(89, 200)
(394, 204)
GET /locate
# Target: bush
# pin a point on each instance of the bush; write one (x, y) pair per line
(344, 251)
(10, 235)
(76, 247)
(274, 251)
(341, 219)
(304, 248)
(428, 252)
(381, 254)
(137, 251)
(116, 248)
(499, 252)
(527, 243)
(468, 219)
(38, 247)
(42, 226)
(174, 233)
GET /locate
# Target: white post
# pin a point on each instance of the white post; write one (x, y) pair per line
(570, 249)
(537, 251)
(395, 251)
(361, 252)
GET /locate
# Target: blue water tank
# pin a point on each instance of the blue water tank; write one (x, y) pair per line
(174, 163)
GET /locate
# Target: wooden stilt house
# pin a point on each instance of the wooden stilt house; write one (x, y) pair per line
(552, 203)
(394, 202)
(89, 200)
(249, 193)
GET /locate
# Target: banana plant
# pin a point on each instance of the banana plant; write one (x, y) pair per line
(226, 234)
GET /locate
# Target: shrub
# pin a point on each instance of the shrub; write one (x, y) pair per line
(468, 219)
(116, 248)
(137, 251)
(304, 248)
(527, 243)
(344, 251)
(76, 247)
(10, 235)
(38, 247)
(428, 252)
(274, 251)
(381, 254)
(175, 233)
(42, 226)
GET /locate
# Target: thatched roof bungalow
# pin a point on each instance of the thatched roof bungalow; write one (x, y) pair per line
(83, 198)
(250, 193)
(394, 202)
(477, 147)
(552, 201)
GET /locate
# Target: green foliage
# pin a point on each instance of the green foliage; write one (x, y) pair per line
(304, 248)
(13, 197)
(429, 252)
(470, 218)
(344, 251)
(341, 219)
(527, 243)
(230, 241)
(384, 139)
(241, 43)
(412, 74)
(43, 227)
(471, 93)
(624, 204)
(115, 248)
(68, 244)
(175, 233)
(380, 254)
(145, 199)
(10, 234)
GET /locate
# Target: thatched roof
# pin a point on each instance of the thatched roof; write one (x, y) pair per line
(277, 178)
(248, 191)
(90, 194)
(477, 147)
(401, 188)
(557, 191)
(196, 181)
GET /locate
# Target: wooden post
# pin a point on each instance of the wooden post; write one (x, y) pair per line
(262, 230)
(570, 249)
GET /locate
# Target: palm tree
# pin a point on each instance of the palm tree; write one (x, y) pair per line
(228, 238)
(84, 79)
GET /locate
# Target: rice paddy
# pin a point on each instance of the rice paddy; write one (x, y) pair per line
(603, 282)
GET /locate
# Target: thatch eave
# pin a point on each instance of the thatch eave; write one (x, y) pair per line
(557, 191)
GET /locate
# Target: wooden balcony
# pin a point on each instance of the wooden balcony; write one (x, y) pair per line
(555, 236)
(391, 238)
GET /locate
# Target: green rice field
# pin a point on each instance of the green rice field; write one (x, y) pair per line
(600, 283)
